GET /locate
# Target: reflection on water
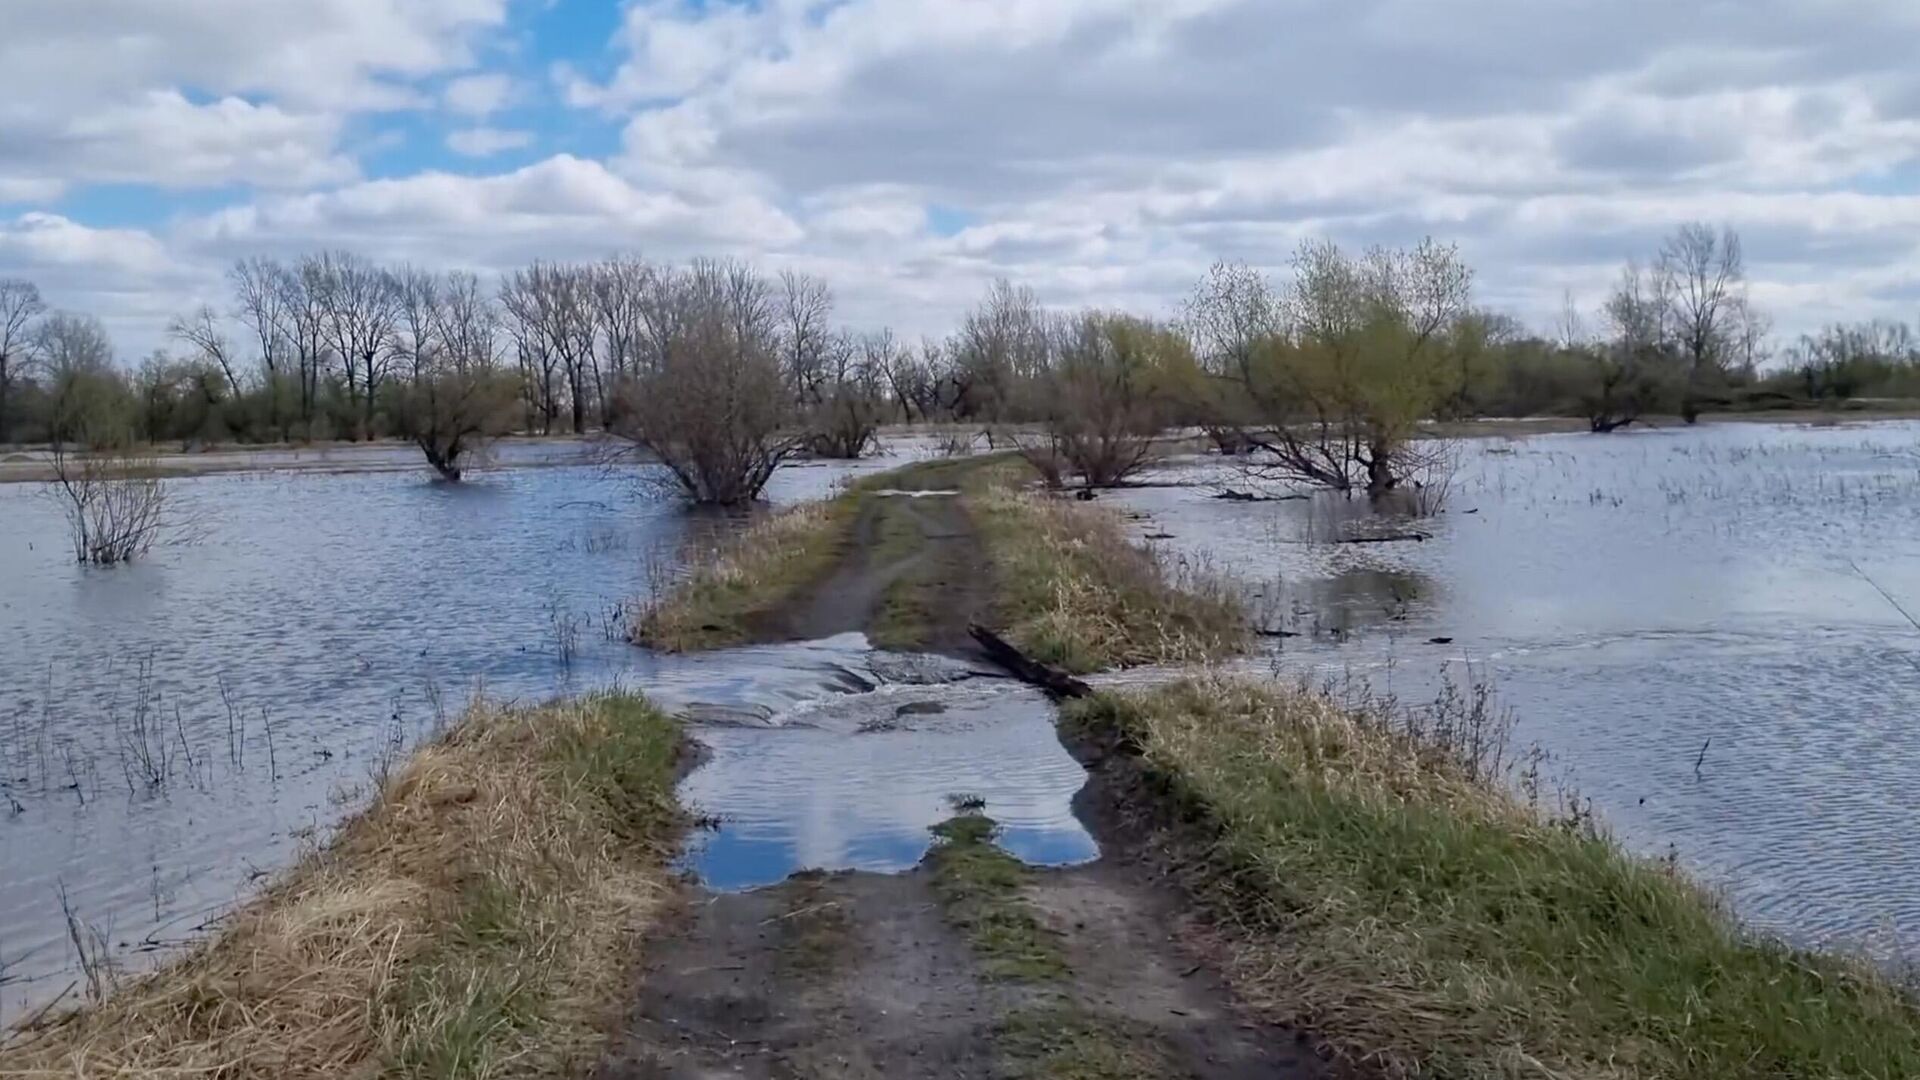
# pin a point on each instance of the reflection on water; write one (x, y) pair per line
(173, 730)
(1634, 596)
(852, 775)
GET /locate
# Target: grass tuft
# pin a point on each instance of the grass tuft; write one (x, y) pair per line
(473, 922)
(1387, 892)
(981, 888)
(1062, 1043)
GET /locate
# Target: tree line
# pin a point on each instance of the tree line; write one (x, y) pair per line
(721, 372)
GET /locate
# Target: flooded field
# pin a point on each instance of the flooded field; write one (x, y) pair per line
(173, 731)
(1728, 595)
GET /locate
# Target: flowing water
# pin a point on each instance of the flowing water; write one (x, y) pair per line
(1644, 601)
(173, 731)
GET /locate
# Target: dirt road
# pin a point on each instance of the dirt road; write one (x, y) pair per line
(969, 966)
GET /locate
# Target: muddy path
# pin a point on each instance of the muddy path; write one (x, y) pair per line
(911, 576)
(971, 965)
(864, 975)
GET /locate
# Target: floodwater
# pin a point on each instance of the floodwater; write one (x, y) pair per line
(1644, 601)
(173, 731)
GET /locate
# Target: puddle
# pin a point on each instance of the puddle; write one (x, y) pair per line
(830, 755)
(898, 493)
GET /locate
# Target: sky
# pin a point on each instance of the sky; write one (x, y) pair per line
(1104, 152)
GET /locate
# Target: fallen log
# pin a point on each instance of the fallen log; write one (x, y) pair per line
(1392, 538)
(1230, 495)
(1025, 668)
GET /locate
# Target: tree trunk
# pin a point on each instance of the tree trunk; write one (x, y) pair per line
(1380, 478)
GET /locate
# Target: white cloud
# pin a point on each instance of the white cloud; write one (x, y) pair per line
(486, 141)
(211, 92)
(478, 96)
(1104, 151)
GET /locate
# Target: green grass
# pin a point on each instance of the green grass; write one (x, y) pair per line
(1419, 918)
(746, 576)
(1061, 1042)
(980, 887)
(1073, 590)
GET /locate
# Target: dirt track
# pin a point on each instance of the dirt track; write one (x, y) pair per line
(866, 975)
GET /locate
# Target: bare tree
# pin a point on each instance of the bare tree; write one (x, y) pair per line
(619, 288)
(459, 398)
(1002, 342)
(710, 404)
(1629, 369)
(20, 306)
(260, 294)
(116, 503)
(360, 307)
(806, 306)
(201, 331)
(1705, 277)
(87, 395)
(550, 312)
(849, 403)
(1232, 315)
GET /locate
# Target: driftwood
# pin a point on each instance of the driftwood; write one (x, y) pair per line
(1230, 495)
(1391, 538)
(1027, 669)
(1262, 632)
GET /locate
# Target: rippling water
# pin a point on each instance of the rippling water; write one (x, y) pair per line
(173, 730)
(854, 774)
(1632, 597)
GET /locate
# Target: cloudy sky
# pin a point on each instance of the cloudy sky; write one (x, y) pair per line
(1103, 151)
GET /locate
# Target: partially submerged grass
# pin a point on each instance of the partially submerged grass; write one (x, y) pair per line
(750, 573)
(981, 886)
(1072, 589)
(475, 921)
(1384, 891)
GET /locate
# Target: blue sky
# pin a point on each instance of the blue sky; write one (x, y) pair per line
(1104, 152)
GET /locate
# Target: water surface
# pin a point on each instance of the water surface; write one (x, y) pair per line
(1635, 598)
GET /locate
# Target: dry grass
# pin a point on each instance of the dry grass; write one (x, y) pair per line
(473, 922)
(1073, 590)
(1380, 887)
(749, 573)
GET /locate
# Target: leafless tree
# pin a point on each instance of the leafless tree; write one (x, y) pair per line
(1630, 367)
(1232, 315)
(360, 307)
(459, 398)
(619, 288)
(1001, 344)
(260, 293)
(710, 403)
(20, 307)
(1705, 277)
(77, 357)
(806, 308)
(550, 313)
(115, 502)
(201, 332)
(849, 401)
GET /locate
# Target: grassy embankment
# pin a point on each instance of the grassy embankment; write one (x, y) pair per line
(1383, 889)
(470, 923)
(1067, 583)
